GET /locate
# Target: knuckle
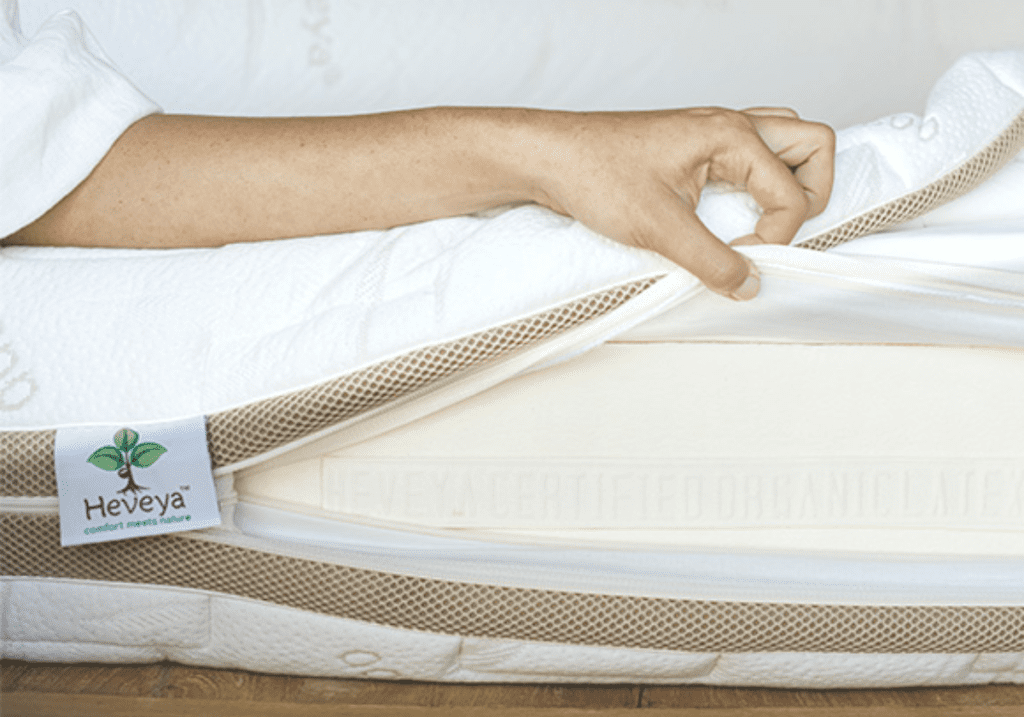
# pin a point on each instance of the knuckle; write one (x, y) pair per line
(799, 208)
(783, 192)
(826, 135)
(799, 200)
(726, 120)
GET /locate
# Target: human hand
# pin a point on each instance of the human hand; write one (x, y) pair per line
(637, 178)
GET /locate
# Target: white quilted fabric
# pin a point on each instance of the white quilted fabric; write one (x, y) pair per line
(65, 621)
(209, 329)
(136, 617)
(81, 621)
(823, 671)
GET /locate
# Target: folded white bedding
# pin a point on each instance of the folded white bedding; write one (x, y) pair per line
(63, 106)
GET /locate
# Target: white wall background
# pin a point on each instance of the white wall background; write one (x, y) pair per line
(841, 61)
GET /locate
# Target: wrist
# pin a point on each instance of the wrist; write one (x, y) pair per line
(524, 149)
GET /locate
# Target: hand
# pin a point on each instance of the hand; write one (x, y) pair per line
(637, 178)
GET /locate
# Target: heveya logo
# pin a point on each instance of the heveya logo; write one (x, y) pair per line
(121, 456)
(140, 455)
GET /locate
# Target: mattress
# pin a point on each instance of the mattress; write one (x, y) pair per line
(604, 475)
(490, 541)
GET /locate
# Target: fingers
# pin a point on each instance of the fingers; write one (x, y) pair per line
(808, 148)
(785, 164)
(680, 236)
(751, 164)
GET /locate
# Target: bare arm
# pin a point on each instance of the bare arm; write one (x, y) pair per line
(178, 181)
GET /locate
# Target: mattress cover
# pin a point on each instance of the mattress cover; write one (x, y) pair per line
(351, 598)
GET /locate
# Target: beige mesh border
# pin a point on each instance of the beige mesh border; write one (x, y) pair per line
(32, 548)
(26, 463)
(956, 183)
(26, 457)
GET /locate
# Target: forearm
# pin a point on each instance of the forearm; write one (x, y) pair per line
(206, 181)
(634, 177)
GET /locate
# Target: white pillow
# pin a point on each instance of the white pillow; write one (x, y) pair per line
(842, 61)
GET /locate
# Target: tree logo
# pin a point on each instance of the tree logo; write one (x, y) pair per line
(125, 453)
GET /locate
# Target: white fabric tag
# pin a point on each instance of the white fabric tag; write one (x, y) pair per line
(117, 482)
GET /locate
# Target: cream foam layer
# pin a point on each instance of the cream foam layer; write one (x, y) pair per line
(844, 448)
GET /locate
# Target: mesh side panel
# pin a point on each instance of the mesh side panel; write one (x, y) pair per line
(26, 458)
(32, 548)
(26, 463)
(956, 183)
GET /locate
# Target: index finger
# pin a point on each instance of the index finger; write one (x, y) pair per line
(750, 163)
(807, 148)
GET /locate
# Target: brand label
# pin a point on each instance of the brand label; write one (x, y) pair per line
(118, 482)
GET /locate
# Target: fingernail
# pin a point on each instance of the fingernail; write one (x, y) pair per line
(750, 286)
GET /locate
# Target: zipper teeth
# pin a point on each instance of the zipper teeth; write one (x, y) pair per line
(31, 504)
(526, 567)
(522, 569)
(46, 505)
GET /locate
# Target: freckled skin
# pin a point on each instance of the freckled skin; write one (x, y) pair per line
(181, 180)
